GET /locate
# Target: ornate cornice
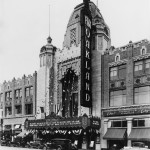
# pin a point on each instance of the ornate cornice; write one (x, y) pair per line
(121, 62)
(140, 57)
(126, 110)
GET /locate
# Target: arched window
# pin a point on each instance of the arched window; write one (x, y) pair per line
(143, 50)
(117, 57)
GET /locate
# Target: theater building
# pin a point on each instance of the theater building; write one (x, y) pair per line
(126, 95)
(69, 80)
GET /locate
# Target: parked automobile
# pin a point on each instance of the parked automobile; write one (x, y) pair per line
(136, 146)
(5, 142)
(38, 144)
(59, 144)
(18, 142)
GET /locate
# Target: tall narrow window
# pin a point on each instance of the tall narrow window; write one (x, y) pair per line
(27, 92)
(75, 104)
(18, 109)
(29, 109)
(122, 71)
(73, 36)
(31, 91)
(147, 64)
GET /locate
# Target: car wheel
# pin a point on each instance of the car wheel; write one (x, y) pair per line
(39, 147)
(59, 148)
(44, 148)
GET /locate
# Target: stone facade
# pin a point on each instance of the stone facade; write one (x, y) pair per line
(12, 115)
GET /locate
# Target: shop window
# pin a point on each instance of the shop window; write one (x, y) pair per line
(28, 109)
(138, 66)
(138, 123)
(18, 109)
(142, 95)
(118, 98)
(8, 111)
(119, 123)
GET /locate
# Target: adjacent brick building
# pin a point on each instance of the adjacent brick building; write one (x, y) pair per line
(126, 94)
(18, 102)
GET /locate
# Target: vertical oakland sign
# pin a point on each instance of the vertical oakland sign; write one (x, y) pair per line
(86, 25)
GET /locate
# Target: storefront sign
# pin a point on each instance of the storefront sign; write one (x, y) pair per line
(86, 26)
(123, 112)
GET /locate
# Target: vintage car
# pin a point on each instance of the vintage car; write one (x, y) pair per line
(38, 144)
(59, 144)
(136, 146)
(5, 142)
(18, 142)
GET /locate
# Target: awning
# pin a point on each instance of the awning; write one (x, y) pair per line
(23, 133)
(115, 134)
(142, 134)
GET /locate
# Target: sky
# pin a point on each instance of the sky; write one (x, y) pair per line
(24, 28)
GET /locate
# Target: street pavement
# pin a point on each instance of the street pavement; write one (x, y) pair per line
(14, 148)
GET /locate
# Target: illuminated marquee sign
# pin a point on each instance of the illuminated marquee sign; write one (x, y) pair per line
(86, 25)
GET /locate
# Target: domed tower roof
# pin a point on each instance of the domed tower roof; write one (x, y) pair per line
(48, 47)
(75, 17)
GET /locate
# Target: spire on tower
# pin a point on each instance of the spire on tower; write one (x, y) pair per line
(97, 3)
(49, 39)
(49, 20)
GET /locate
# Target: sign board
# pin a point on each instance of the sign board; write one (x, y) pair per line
(86, 36)
(127, 111)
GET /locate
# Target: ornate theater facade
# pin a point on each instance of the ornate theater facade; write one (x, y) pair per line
(71, 84)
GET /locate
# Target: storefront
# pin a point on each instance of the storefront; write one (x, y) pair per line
(126, 125)
(140, 135)
(83, 130)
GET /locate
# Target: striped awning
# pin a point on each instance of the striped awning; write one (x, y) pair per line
(142, 134)
(23, 133)
(115, 134)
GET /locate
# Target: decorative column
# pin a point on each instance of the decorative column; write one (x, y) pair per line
(129, 128)
(104, 142)
(12, 127)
